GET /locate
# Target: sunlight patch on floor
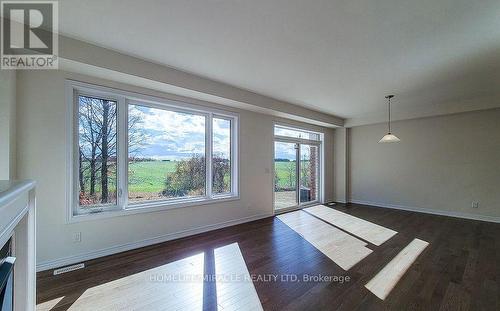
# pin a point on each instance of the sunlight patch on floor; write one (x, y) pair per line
(382, 284)
(366, 230)
(178, 285)
(344, 249)
(150, 289)
(235, 289)
(48, 305)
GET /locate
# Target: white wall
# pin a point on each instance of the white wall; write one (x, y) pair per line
(7, 124)
(42, 156)
(441, 164)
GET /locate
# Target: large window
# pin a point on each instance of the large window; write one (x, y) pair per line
(97, 151)
(166, 154)
(221, 159)
(133, 152)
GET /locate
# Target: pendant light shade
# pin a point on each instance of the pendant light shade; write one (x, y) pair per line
(389, 137)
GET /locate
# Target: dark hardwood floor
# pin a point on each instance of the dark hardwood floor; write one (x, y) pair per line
(459, 270)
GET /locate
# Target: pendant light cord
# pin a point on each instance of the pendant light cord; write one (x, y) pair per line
(389, 115)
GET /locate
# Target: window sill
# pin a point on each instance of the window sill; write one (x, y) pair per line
(140, 208)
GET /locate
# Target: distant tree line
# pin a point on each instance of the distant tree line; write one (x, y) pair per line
(142, 159)
(283, 160)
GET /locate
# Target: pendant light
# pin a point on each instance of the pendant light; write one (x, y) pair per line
(389, 137)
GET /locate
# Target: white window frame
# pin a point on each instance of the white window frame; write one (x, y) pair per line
(123, 99)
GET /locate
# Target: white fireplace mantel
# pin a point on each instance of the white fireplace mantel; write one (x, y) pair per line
(18, 221)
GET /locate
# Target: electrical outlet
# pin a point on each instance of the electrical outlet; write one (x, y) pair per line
(77, 237)
(475, 204)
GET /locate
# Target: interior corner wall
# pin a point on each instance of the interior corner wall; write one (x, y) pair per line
(340, 164)
(7, 124)
(329, 166)
(42, 146)
(441, 165)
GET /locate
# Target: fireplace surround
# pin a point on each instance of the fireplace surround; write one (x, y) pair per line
(18, 246)
(6, 277)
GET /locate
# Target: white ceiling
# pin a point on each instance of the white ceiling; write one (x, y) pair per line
(336, 56)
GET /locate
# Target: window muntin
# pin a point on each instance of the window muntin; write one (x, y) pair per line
(280, 130)
(221, 156)
(166, 154)
(126, 151)
(97, 152)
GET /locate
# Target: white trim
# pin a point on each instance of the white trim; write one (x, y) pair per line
(298, 128)
(56, 263)
(495, 219)
(209, 140)
(18, 221)
(150, 207)
(273, 171)
(7, 232)
(321, 167)
(13, 190)
(122, 152)
(338, 201)
(235, 156)
(287, 139)
(295, 208)
(70, 124)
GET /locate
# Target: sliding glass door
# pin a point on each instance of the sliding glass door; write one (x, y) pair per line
(285, 175)
(296, 173)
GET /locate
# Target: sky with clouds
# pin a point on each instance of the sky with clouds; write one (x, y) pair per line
(175, 136)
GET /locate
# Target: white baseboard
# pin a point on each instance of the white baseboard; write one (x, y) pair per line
(495, 219)
(56, 263)
(341, 201)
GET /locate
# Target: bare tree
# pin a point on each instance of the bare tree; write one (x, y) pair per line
(97, 143)
(292, 173)
(137, 137)
(90, 135)
(81, 171)
(305, 171)
(104, 152)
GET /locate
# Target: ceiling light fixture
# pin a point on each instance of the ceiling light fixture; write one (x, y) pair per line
(389, 137)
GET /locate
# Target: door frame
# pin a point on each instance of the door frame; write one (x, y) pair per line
(299, 142)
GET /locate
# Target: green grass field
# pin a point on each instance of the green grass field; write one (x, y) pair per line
(285, 170)
(149, 177)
